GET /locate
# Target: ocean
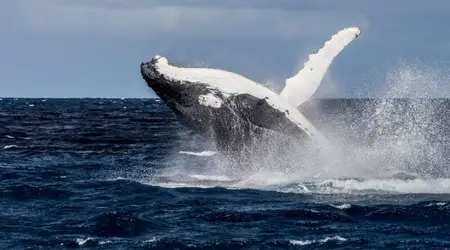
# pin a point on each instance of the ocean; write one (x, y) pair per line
(124, 174)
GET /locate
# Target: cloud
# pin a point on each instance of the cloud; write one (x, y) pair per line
(140, 19)
(101, 41)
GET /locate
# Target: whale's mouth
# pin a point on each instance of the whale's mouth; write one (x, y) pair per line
(171, 91)
(155, 80)
(149, 70)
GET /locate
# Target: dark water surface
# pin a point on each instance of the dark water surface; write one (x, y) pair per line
(124, 174)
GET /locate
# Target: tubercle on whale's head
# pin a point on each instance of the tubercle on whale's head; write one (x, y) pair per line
(152, 76)
(171, 91)
(149, 70)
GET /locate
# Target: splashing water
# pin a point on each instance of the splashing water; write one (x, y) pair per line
(391, 145)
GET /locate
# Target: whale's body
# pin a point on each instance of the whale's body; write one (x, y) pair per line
(236, 112)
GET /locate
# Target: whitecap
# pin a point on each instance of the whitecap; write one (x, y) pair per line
(309, 242)
(103, 242)
(334, 238)
(342, 206)
(301, 242)
(439, 204)
(416, 186)
(203, 153)
(10, 146)
(154, 239)
(177, 185)
(81, 242)
(10, 136)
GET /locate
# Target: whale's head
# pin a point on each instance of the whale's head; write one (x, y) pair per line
(151, 73)
(172, 92)
(190, 100)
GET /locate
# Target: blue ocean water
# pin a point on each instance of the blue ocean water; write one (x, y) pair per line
(124, 174)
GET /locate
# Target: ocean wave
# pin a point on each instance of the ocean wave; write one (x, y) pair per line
(416, 186)
(81, 242)
(220, 178)
(10, 146)
(179, 243)
(203, 153)
(119, 224)
(29, 192)
(342, 206)
(309, 242)
(288, 184)
(61, 189)
(178, 185)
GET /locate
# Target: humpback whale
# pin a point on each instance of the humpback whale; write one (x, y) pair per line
(236, 112)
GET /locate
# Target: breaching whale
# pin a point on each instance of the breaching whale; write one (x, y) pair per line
(236, 112)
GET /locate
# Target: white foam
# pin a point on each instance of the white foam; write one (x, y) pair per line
(179, 185)
(9, 136)
(301, 242)
(302, 86)
(81, 242)
(266, 179)
(203, 153)
(103, 242)
(211, 177)
(309, 242)
(432, 186)
(31, 105)
(336, 238)
(342, 206)
(289, 184)
(154, 239)
(439, 204)
(10, 146)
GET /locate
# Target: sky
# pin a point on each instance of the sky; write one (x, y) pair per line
(87, 48)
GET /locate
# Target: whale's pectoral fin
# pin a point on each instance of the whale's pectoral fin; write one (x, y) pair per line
(302, 86)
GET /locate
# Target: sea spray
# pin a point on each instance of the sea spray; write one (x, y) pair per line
(393, 144)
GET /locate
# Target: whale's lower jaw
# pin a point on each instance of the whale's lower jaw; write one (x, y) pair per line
(238, 123)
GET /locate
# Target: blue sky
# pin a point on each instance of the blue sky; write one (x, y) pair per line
(87, 48)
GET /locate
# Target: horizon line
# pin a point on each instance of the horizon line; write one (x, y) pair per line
(125, 98)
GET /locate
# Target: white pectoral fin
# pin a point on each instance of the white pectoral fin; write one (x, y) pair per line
(302, 86)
